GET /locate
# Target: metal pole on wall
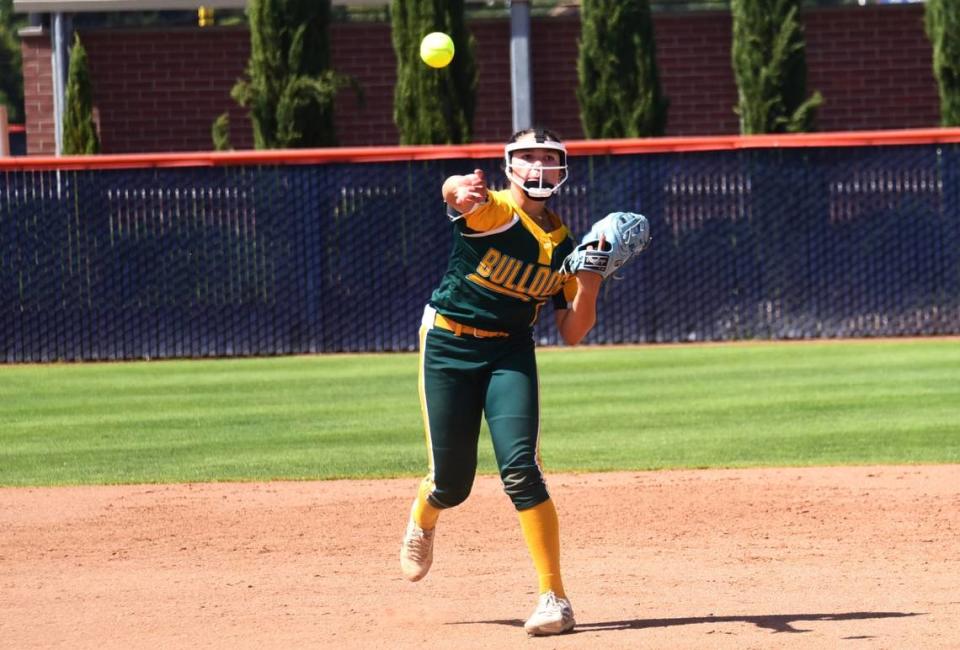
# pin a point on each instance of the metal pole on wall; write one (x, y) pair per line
(520, 86)
(59, 62)
(4, 133)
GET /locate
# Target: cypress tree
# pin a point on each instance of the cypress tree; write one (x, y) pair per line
(11, 77)
(619, 84)
(433, 106)
(289, 86)
(79, 130)
(942, 22)
(770, 67)
(220, 133)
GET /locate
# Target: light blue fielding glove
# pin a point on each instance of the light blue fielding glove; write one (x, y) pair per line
(625, 234)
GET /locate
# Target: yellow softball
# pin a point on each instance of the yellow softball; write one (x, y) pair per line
(436, 49)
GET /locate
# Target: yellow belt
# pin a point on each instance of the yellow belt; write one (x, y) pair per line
(460, 329)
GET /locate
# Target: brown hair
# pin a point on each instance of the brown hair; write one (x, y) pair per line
(539, 134)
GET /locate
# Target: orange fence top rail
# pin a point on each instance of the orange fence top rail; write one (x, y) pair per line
(413, 153)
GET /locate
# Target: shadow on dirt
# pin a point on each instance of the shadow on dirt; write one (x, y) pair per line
(775, 622)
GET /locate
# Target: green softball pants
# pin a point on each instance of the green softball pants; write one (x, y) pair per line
(462, 379)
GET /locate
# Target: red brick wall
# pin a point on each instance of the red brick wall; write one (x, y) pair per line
(38, 93)
(693, 54)
(875, 72)
(160, 91)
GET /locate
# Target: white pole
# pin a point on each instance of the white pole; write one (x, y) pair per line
(59, 61)
(520, 85)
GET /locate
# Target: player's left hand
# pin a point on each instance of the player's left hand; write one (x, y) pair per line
(591, 280)
(612, 242)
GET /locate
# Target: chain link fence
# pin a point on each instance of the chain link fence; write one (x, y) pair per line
(288, 259)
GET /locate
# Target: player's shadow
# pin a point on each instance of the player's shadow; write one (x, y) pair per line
(774, 622)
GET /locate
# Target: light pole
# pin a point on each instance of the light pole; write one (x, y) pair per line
(520, 86)
(59, 61)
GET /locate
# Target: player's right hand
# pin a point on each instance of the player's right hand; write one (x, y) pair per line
(470, 191)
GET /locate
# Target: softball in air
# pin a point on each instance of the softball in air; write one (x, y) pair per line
(436, 49)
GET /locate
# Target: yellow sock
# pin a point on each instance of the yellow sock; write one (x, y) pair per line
(424, 514)
(541, 530)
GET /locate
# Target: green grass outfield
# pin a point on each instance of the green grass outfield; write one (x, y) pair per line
(626, 408)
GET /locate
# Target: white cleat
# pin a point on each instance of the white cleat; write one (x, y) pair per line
(416, 552)
(553, 615)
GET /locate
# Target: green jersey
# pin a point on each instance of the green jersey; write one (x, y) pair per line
(504, 267)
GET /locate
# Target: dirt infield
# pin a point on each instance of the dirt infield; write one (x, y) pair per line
(783, 558)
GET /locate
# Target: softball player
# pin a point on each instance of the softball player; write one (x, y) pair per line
(477, 355)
